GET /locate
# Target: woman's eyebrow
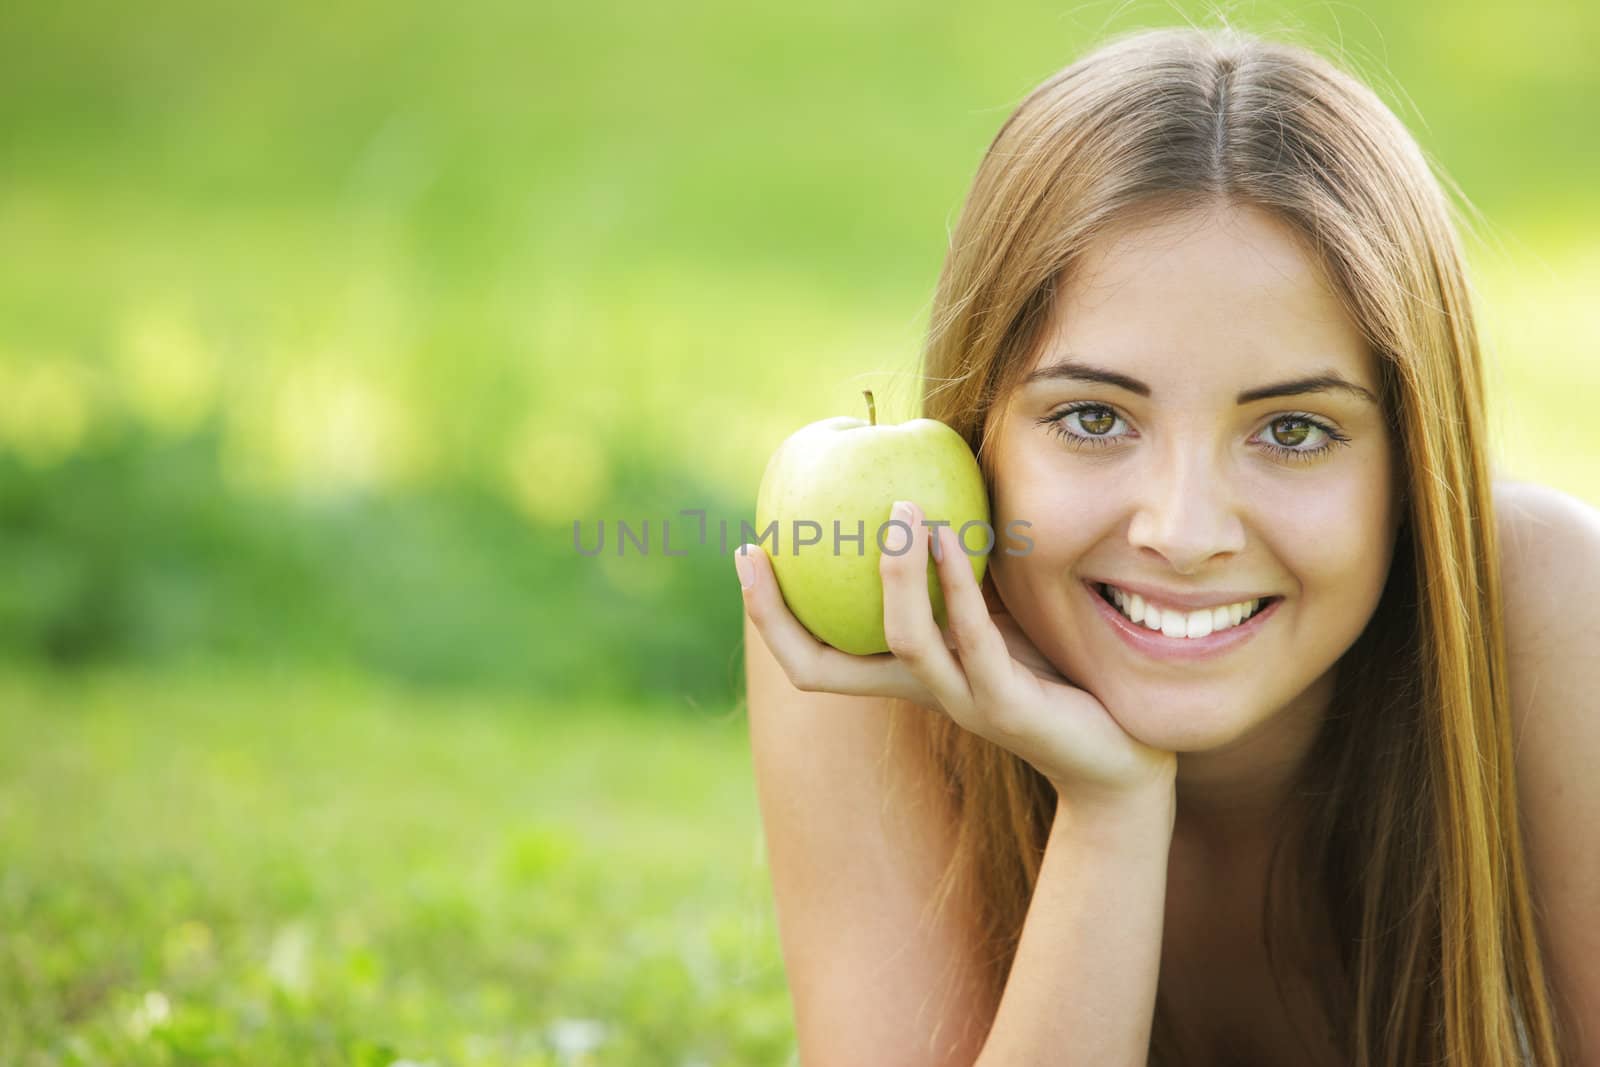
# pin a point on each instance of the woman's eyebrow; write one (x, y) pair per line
(1317, 383)
(1078, 371)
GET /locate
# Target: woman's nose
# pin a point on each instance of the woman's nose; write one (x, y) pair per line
(1187, 515)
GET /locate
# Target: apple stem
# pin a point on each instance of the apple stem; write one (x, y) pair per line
(872, 409)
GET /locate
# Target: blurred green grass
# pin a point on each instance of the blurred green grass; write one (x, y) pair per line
(280, 868)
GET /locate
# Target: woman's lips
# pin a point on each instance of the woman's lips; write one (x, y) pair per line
(1158, 645)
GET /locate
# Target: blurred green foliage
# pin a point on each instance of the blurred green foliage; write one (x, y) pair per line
(137, 550)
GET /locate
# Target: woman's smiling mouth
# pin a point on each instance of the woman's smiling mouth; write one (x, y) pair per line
(1177, 621)
(1170, 632)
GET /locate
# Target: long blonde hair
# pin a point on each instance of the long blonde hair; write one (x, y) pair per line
(1405, 828)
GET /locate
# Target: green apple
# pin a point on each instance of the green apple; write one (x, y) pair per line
(849, 471)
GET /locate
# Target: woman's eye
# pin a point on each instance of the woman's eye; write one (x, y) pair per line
(1085, 424)
(1097, 421)
(1286, 437)
(1297, 431)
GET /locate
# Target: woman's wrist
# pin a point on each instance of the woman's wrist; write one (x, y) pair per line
(1135, 814)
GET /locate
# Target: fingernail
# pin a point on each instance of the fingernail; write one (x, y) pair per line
(745, 569)
(902, 510)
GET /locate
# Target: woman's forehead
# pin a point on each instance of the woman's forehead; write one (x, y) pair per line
(1224, 296)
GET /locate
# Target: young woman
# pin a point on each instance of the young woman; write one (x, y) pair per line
(1275, 746)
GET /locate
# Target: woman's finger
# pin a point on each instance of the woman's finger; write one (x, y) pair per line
(1025, 652)
(814, 665)
(991, 593)
(908, 623)
(1018, 645)
(985, 659)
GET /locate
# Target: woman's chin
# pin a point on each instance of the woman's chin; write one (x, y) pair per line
(1176, 719)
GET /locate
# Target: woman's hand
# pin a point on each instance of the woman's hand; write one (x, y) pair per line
(982, 671)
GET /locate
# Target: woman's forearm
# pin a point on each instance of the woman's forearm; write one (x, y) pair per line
(1082, 987)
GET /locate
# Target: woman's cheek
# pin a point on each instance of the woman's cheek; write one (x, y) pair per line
(1061, 513)
(1327, 531)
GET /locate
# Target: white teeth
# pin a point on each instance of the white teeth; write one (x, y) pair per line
(1186, 624)
(1132, 604)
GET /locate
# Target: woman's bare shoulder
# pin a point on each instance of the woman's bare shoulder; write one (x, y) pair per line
(1537, 520)
(1550, 555)
(1550, 582)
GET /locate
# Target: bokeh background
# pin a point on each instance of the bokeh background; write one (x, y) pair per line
(320, 325)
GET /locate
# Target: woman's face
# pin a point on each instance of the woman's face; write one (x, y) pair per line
(1152, 460)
